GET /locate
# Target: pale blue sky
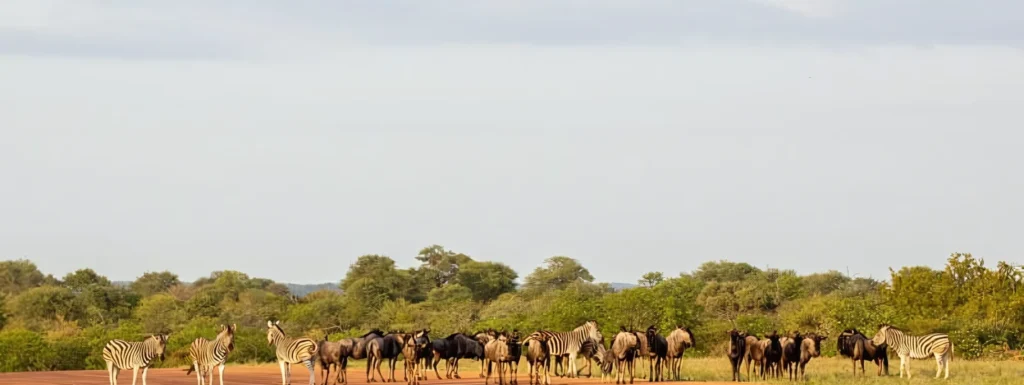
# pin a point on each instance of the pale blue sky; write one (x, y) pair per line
(633, 135)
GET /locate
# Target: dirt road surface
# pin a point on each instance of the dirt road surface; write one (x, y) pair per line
(250, 375)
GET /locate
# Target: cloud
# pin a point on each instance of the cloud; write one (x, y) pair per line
(265, 28)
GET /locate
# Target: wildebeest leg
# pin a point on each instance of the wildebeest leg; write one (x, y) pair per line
(377, 362)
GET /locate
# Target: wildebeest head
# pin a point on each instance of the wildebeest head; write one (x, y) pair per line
(737, 342)
(816, 352)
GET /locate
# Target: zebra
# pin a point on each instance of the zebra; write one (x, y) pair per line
(570, 343)
(206, 354)
(910, 346)
(121, 354)
(291, 351)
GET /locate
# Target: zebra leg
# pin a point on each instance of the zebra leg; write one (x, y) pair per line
(135, 375)
(210, 382)
(284, 378)
(146, 370)
(938, 365)
(312, 374)
(221, 375)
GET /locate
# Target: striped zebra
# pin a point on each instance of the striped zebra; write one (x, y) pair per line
(910, 346)
(206, 354)
(570, 343)
(291, 351)
(121, 354)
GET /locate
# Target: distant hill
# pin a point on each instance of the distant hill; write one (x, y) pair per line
(621, 285)
(300, 290)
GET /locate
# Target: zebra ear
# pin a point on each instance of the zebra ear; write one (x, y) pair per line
(270, 323)
(278, 322)
(234, 326)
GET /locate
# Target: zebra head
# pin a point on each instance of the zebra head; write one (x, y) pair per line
(274, 332)
(883, 334)
(593, 331)
(158, 342)
(227, 336)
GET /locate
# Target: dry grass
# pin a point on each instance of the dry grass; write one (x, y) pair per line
(833, 371)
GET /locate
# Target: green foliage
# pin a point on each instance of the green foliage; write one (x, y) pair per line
(486, 280)
(18, 276)
(152, 283)
(558, 272)
(64, 324)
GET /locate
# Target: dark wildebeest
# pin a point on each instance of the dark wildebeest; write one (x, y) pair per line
(387, 347)
(589, 353)
(658, 347)
(854, 344)
(335, 354)
(678, 341)
(608, 362)
(755, 355)
(463, 346)
(368, 346)
(810, 347)
(538, 357)
(625, 345)
(737, 350)
(515, 352)
(772, 354)
(642, 356)
(791, 347)
(496, 352)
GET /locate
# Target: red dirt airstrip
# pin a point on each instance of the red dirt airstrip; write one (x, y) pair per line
(251, 375)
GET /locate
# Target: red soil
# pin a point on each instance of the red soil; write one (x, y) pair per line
(250, 375)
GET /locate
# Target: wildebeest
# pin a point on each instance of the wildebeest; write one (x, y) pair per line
(854, 344)
(484, 338)
(625, 346)
(410, 351)
(791, 352)
(608, 362)
(368, 346)
(453, 348)
(335, 355)
(589, 353)
(387, 347)
(737, 350)
(754, 355)
(425, 354)
(772, 354)
(538, 357)
(515, 352)
(810, 347)
(658, 347)
(496, 352)
(677, 342)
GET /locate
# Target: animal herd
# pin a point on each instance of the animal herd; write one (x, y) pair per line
(500, 353)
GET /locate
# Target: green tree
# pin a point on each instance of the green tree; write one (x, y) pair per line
(651, 279)
(486, 280)
(725, 271)
(160, 313)
(19, 275)
(441, 265)
(45, 304)
(824, 283)
(559, 272)
(154, 282)
(81, 279)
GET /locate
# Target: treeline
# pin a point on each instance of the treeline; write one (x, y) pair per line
(53, 324)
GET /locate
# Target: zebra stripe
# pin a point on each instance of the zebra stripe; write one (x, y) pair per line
(909, 346)
(206, 354)
(570, 343)
(291, 351)
(131, 355)
(120, 354)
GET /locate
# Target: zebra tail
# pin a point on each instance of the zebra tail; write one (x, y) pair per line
(951, 352)
(190, 370)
